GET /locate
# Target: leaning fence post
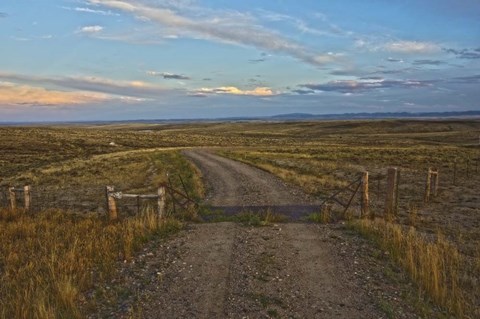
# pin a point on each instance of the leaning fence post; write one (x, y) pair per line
(390, 196)
(13, 198)
(27, 195)
(365, 209)
(468, 167)
(455, 171)
(397, 187)
(426, 197)
(435, 183)
(161, 201)
(111, 205)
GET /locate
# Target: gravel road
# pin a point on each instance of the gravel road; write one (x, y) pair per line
(233, 187)
(229, 270)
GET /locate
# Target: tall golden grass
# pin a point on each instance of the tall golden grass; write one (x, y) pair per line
(47, 260)
(434, 264)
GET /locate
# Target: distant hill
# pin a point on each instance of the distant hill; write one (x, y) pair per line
(280, 117)
(351, 116)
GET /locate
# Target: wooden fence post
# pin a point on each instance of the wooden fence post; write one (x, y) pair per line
(111, 205)
(455, 171)
(326, 213)
(435, 183)
(161, 201)
(397, 197)
(138, 205)
(468, 167)
(13, 198)
(378, 185)
(390, 196)
(27, 195)
(428, 186)
(365, 209)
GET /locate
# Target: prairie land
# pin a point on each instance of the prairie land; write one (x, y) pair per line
(50, 260)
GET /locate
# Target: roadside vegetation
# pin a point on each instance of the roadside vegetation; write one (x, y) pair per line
(49, 259)
(54, 258)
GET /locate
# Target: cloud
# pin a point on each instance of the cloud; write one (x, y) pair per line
(22, 39)
(467, 79)
(88, 10)
(411, 47)
(258, 91)
(343, 72)
(231, 28)
(257, 60)
(135, 89)
(428, 62)
(352, 86)
(397, 71)
(303, 92)
(91, 29)
(465, 53)
(299, 24)
(169, 76)
(394, 60)
(3, 15)
(15, 94)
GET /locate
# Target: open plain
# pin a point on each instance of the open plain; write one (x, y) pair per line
(257, 243)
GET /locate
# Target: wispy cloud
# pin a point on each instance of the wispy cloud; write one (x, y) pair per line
(169, 76)
(263, 57)
(352, 86)
(136, 89)
(214, 27)
(3, 15)
(89, 10)
(91, 29)
(21, 39)
(411, 47)
(15, 94)
(258, 91)
(396, 46)
(428, 62)
(389, 59)
(299, 24)
(464, 53)
(468, 79)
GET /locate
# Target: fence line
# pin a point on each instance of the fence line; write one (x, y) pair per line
(387, 193)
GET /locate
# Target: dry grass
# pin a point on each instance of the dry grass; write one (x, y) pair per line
(320, 157)
(434, 264)
(49, 259)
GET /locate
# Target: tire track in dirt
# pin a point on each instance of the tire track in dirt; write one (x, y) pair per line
(194, 284)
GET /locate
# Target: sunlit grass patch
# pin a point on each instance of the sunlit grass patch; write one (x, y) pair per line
(48, 260)
(434, 264)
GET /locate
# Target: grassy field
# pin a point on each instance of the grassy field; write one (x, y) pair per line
(68, 168)
(64, 247)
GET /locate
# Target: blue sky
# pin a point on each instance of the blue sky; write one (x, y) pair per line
(146, 59)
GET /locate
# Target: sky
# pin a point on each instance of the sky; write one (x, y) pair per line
(77, 60)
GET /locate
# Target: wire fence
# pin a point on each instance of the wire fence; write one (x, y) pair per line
(74, 199)
(455, 180)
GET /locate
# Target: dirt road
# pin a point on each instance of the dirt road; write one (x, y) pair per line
(228, 270)
(233, 186)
